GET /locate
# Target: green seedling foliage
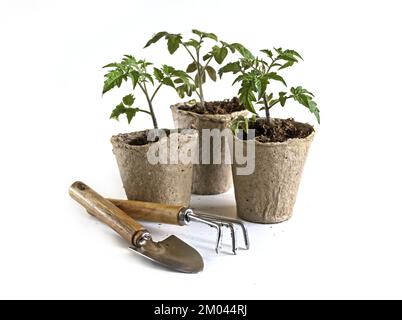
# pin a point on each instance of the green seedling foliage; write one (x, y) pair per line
(254, 74)
(200, 58)
(138, 72)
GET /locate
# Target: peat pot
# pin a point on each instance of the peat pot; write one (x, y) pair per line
(269, 193)
(167, 178)
(208, 178)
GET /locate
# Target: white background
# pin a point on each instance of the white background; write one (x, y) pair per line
(345, 238)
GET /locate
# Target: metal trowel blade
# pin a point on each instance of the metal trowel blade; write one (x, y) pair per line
(172, 253)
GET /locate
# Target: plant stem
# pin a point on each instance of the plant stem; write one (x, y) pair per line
(151, 109)
(267, 114)
(200, 76)
(157, 89)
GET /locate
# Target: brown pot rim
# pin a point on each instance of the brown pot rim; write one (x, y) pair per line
(281, 144)
(120, 140)
(208, 117)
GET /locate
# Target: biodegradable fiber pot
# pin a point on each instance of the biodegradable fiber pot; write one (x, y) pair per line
(269, 193)
(168, 183)
(207, 178)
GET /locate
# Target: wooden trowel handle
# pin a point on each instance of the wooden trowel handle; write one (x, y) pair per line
(149, 211)
(106, 212)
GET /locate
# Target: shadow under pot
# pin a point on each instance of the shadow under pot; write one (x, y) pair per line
(156, 165)
(215, 176)
(268, 193)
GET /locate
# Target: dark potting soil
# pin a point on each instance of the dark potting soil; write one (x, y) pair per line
(215, 107)
(142, 139)
(279, 130)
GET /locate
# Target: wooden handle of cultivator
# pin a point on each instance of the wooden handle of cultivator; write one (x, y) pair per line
(149, 211)
(106, 212)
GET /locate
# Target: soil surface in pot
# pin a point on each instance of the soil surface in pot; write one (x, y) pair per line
(279, 130)
(142, 139)
(215, 107)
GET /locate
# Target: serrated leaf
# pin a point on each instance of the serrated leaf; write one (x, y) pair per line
(246, 95)
(130, 113)
(211, 72)
(287, 57)
(155, 38)
(113, 64)
(277, 77)
(286, 65)
(174, 41)
(168, 82)
(191, 67)
(267, 52)
(238, 79)
(128, 100)
(148, 77)
(178, 80)
(158, 74)
(295, 53)
(134, 76)
(117, 111)
(114, 78)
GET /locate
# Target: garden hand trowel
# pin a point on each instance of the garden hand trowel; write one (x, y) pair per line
(172, 252)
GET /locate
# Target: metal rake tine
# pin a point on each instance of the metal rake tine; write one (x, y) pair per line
(213, 224)
(232, 232)
(228, 220)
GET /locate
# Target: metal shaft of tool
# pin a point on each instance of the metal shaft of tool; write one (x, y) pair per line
(218, 223)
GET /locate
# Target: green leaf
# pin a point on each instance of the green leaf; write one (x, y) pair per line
(158, 74)
(117, 111)
(192, 67)
(114, 78)
(282, 98)
(219, 53)
(304, 97)
(121, 109)
(192, 43)
(167, 69)
(207, 56)
(130, 113)
(263, 83)
(134, 76)
(197, 81)
(230, 67)
(211, 72)
(267, 52)
(202, 34)
(286, 65)
(128, 100)
(313, 109)
(287, 57)
(174, 41)
(277, 77)
(148, 77)
(156, 37)
(168, 82)
(294, 53)
(246, 95)
(113, 64)
(242, 50)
